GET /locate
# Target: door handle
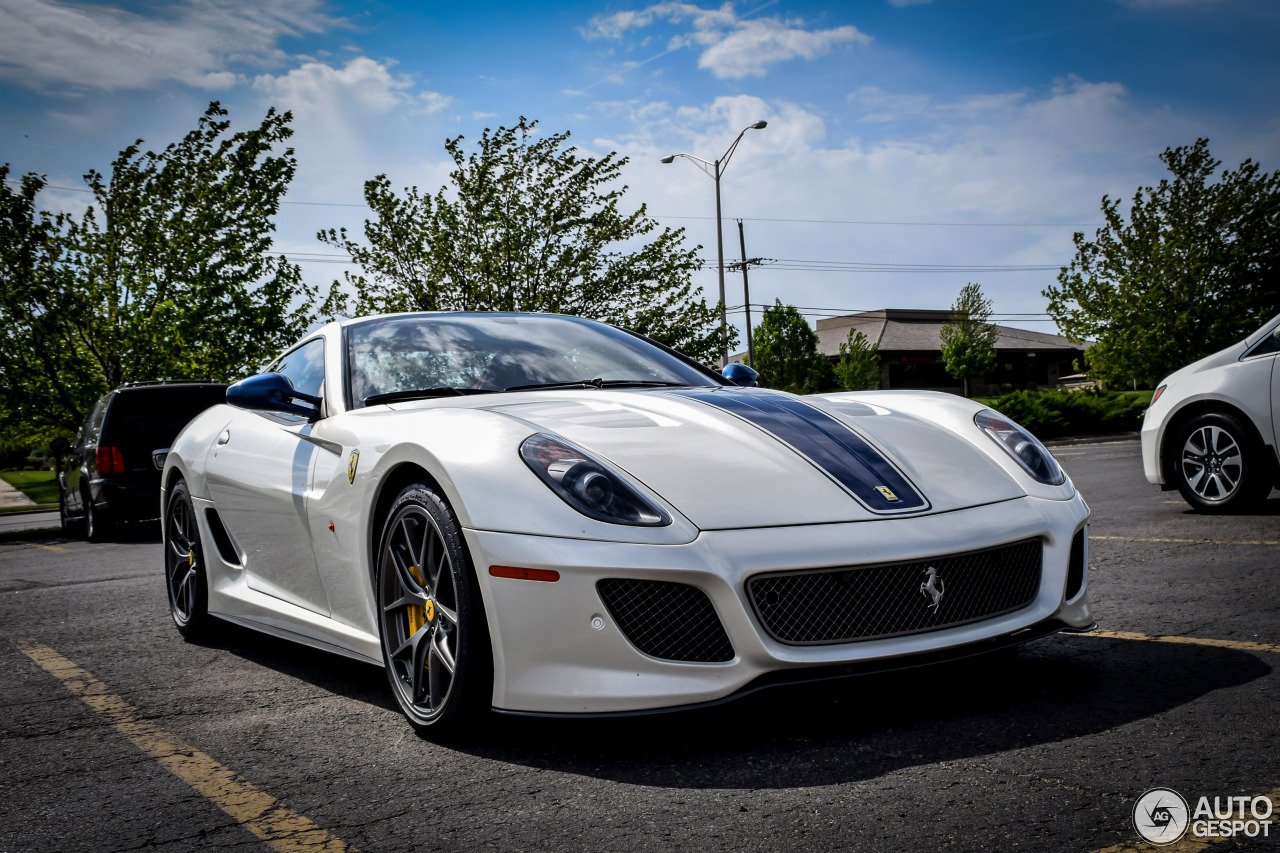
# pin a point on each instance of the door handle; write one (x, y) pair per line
(225, 437)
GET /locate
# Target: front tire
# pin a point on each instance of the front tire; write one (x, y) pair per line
(1217, 465)
(73, 527)
(435, 640)
(184, 567)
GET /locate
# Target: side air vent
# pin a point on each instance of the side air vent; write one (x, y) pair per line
(221, 538)
(1076, 568)
(670, 621)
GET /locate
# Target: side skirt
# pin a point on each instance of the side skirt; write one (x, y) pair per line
(286, 634)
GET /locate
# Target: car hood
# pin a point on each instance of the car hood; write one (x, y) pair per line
(737, 457)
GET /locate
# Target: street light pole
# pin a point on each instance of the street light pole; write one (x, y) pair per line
(724, 323)
(714, 169)
(746, 296)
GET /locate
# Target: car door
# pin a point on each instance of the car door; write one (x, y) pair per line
(1275, 391)
(81, 465)
(259, 471)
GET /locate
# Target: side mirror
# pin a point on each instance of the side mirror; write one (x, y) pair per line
(272, 392)
(740, 374)
(59, 446)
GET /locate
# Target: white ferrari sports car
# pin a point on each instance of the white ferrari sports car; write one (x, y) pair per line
(541, 514)
(1212, 430)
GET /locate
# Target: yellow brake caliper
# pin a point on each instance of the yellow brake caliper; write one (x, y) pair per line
(417, 614)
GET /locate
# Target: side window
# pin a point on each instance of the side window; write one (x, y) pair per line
(93, 426)
(1267, 346)
(305, 367)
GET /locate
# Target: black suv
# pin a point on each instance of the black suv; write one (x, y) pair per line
(112, 471)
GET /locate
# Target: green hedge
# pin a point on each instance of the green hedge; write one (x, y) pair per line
(1053, 414)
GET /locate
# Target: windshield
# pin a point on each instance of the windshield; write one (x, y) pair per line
(496, 352)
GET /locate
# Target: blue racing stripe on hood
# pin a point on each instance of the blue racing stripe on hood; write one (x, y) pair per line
(829, 444)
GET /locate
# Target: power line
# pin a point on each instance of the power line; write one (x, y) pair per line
(803, 265)
(1029, 316)
(910, 223)
(900, 222)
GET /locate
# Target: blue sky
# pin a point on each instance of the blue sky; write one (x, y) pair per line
(975, 134)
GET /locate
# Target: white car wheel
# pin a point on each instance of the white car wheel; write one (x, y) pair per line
(1218, 466)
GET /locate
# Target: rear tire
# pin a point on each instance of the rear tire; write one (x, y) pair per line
(1217, 464)
(431, 620)
(184, 566)
(96, 526)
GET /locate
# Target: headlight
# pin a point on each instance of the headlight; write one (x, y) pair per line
(1022, 446)
(587, 485)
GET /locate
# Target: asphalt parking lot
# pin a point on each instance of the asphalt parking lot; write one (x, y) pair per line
(116, 735)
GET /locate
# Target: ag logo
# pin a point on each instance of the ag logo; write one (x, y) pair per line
(1160, 816)
(352, 461)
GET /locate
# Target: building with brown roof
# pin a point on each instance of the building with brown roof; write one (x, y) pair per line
(910, 344)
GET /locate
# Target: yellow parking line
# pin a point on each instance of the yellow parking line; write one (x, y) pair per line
(1189, 541)
(1239, 645)
(1187, 844)
(51, 548)
(282, 829)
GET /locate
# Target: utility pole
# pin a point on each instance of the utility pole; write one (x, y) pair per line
(746, 290)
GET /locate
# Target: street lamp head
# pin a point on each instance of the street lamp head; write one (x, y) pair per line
(670, 158)
(760, 125)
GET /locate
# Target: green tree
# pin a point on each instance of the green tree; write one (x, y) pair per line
(969, 340)
(859, 365)
(166, 275)
(528, 223)
(1194, 269)
(787, 352)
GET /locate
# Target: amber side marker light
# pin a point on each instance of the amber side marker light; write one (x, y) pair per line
(524, 574)
(1156, 396)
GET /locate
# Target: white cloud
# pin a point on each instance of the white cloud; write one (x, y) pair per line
(351, 122)
(362, 85)
(1004, 157)
(732, 47)
(50, 45)
(904, 3)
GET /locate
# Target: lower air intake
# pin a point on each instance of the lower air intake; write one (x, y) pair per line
(866, 602)
(670, 621)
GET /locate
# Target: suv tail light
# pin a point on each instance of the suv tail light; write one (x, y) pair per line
(108, 460)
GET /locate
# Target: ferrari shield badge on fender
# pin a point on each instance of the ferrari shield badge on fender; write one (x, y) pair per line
(352, 461)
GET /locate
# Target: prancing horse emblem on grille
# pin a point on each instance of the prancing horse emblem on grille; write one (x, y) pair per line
(933, 587)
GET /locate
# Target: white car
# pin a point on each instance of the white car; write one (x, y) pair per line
(541, 514)
(1213, 427)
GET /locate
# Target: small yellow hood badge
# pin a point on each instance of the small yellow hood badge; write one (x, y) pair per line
(352, 461)
(887, 494)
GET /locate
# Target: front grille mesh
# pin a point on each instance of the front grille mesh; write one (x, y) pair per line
(671, 621)
(866, 602)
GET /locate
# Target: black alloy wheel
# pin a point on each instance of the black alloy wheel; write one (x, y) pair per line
(184, 570)
(435, 640)
(1217, 465)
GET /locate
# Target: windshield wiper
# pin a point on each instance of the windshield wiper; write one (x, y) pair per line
(422, 394)
(598, 383)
